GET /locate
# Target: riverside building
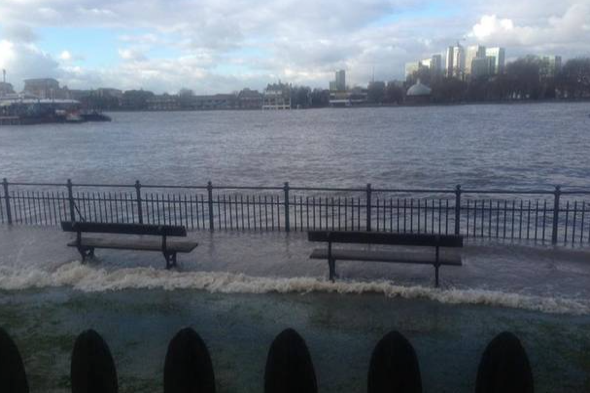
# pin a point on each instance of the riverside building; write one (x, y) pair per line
(277, 97)
(45, 88)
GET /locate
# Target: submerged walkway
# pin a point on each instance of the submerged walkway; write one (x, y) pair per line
(517, 268)
(251, 286)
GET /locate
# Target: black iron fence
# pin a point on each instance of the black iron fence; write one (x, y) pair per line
(555, 216)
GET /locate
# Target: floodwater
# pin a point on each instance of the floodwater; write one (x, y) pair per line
(239, 289)
(502, 146)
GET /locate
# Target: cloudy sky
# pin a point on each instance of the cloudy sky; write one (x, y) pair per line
(224, 45)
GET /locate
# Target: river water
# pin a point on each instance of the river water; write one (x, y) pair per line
(239, 289)
(476, 145)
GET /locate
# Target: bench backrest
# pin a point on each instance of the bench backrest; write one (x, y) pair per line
(385, 238)
(123, 229)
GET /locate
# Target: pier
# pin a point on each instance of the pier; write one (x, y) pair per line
(10, 121)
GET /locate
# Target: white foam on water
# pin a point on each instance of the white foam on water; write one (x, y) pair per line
(91, 279)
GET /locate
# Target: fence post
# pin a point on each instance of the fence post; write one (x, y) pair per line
(458, 210)
(369, 207)
(210, 202)
(138, 199)
(71, 199)
(7, 200)
(556, 194)
(287, 217)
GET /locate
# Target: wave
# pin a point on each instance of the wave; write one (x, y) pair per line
(91, 279)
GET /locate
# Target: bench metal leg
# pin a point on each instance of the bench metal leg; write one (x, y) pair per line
(332, 269)
(436, 267)
(170, 259)
(86, 252)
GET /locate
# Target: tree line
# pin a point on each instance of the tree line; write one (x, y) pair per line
(527, 78)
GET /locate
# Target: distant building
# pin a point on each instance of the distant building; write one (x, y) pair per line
(356, 96)
(475, 52)
(76, 94)
(418, 94)
(412, 67)
(499, 55)
(216, 102)
(164, 102)
(436, 65)
(6, 88)
(44, 88)
(459, 62)
(455, 62)
(416, 66)
(250, 99)
(277, 97)
(109, 92)
(433, 64)
(482, 66)
(550, 66)
(448, 70)
(339, 82)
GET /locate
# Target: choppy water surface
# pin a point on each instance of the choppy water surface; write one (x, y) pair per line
(476, 145)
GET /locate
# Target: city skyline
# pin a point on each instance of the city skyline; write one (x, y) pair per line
(473, 61)
(212, 47)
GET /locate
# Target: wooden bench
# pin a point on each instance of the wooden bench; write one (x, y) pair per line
(432, 257)
(168, 248)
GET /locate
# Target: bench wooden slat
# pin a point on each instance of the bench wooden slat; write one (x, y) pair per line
(182, 246)
(385, 238)
(422, 258)
(123, 229)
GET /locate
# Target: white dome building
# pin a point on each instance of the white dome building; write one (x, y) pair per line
(418, 89)
(418, 93)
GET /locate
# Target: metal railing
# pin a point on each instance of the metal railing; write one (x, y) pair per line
(556, 216)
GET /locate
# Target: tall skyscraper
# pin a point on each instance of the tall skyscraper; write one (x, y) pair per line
(340, 80)
(412, 67)
(550, 66)
(482, 66)
(499, 55)
(436, 65)
(455, 64)
(449, 65)
(472, 53)
(459, 61)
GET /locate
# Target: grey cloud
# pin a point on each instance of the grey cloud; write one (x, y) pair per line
(19, 33)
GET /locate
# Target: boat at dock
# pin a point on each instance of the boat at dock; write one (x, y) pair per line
(26, 111)
(94, 115)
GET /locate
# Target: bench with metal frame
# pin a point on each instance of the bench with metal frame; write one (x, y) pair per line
(169, 248)
(392, 256)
